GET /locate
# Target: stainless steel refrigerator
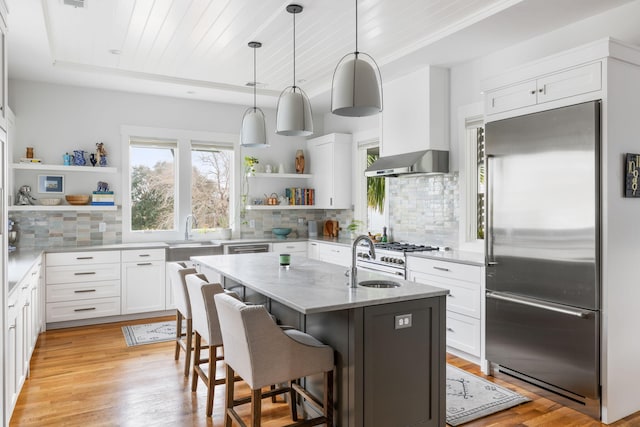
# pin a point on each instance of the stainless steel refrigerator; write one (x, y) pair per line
(542, 251)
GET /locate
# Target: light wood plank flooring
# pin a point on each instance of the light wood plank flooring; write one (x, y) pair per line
(89, 377)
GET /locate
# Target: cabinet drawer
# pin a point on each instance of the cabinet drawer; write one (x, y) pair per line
(82, 258)
(463, 333)
(453, 270)
(290, 247)
(143, 255)
(85, 274)
(83, 291)
(335, 254)
(87, 309)
(464, 297)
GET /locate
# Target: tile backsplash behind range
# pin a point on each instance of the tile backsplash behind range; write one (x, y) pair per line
(424, 209)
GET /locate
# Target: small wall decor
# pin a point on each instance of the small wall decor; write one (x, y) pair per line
(51, 184)
(632, 170)
(101, 154)
(78, 158)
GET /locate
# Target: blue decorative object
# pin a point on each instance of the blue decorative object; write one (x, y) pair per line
(281, 233)
(78, 158)
(67, 159)
(103, 160)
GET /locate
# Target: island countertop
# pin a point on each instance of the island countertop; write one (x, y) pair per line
(310, 286)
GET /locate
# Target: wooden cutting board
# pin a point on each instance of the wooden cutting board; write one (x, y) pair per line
(331, 228)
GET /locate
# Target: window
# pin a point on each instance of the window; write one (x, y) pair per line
(472, 178)
(371, 193)
(170, 174)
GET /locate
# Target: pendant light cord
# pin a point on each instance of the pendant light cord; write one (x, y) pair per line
(356, 28)
(254, 79)
(294, 50)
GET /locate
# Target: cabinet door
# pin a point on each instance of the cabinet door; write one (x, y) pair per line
(13, 353)
(3, 77)
(570, 83)
(510, 98)
(290, 247)
(335, 254)
(323, 167)
(143, 287)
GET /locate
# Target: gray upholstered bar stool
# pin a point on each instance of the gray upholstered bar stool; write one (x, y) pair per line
(205, 325)
(263, 354)
(177, 272)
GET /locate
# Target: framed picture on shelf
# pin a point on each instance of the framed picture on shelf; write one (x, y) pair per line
(51, 184)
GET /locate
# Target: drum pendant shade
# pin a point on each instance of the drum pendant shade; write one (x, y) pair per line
(293, 117)
(356, 89)
(254, 129)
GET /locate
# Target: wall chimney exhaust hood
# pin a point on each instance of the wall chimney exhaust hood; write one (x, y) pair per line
(418, 162)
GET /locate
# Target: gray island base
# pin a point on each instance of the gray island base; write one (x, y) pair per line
(389, 343)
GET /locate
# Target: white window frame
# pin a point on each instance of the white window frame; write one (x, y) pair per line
(468, 178)
(184, 139)
(365, 140)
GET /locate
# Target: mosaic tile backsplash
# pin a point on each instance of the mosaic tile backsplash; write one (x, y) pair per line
(44, 229)
(424, 209)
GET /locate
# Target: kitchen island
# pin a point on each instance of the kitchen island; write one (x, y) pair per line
(389, 343)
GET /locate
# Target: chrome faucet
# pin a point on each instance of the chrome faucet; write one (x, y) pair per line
(353, 279)
(187, 229)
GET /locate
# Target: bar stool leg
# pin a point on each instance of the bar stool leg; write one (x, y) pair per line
(211, 379)
(229, 382)
(328, 397)
(293, 401)
(196, 361)
(256, 407)
(178, 334)
(189, 349)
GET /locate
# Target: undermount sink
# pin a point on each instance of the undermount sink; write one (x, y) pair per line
(379, 284)
(190, 243)
(182, 250)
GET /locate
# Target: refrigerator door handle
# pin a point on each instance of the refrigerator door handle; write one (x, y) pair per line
(488, 243)
(576, 312)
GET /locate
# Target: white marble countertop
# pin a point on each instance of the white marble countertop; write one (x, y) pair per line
(311, 286)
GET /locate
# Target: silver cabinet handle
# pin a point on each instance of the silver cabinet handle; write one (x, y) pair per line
(12, 326)
(144, 255)
(441, 268)
(488, 210)
(82, 291)
(450, 330)
(84, 273)
(85, 309)
(84, 257)
(144, 263)
(27, 304)
(544, 306)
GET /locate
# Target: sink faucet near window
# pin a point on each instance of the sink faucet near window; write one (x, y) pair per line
(188, 225)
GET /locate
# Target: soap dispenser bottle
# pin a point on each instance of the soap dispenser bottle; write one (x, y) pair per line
(384, 235)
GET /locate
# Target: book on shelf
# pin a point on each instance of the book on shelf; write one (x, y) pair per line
(103, 192)
(26, 160)
(300, 196)
(94, 203)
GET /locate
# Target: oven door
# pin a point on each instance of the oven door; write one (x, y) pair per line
(381, 269)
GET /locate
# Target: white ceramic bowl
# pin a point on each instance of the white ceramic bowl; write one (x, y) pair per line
(50, 202)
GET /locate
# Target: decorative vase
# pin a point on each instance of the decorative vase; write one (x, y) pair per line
(78, 158)
(300, 161)
(103, 160)
(92, 159)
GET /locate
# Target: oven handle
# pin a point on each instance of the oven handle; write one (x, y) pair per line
(388, 273)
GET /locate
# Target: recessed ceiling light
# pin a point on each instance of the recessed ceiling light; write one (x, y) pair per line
(191, 92)
(256, 84)
(115, 51)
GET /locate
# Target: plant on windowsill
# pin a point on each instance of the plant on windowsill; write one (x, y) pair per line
(249, 170)
(354, 227)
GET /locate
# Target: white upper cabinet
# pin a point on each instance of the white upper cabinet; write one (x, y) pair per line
(416, 112)
(330, 164)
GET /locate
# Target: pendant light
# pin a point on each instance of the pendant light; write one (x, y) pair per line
(254, 130)
(356, 89)
(294, 109)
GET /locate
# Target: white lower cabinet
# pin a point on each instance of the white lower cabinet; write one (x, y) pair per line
(82, 285)
(23, 328)
(143, 281)
(290, 247)
(329, 252)
(464, 303)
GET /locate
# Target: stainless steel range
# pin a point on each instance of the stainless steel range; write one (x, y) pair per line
(390, 257)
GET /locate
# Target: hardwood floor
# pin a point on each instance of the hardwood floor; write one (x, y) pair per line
(89, 377)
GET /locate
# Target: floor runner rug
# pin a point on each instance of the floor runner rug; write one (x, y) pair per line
(470, 397)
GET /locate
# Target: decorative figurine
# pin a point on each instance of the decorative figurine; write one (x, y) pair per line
(29, 152)
(299, 161)
(92, 159)
(78, 158)
(67, 159)
(24, 196)
(101, 153)
(102, 186)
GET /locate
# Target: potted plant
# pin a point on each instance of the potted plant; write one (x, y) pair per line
(354, 227)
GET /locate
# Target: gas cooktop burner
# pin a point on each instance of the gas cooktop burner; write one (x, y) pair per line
(405, 247)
